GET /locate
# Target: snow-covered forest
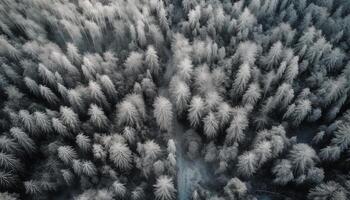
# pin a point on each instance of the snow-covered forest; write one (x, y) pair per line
(174, 99)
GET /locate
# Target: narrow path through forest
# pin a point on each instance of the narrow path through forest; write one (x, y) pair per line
(189, 172)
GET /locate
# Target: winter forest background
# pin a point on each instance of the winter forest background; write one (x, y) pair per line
(165, 100)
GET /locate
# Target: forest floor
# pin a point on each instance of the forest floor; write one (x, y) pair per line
(190, 173)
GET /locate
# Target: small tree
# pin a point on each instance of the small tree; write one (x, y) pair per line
(211, 125)
(223, 114)
(242, 78)
(185, 69)
(247, 163)
(252, 95)
(342, 137)
(196, 110)
(235, 188)
(59, 127)
(69, 118)
(151, 150)
(42, 121)
(164, 188)
(48, 95)
(127, 114)
(108, 85)
(330, 153)
(171, 146)
(235, 132)
(97, 95)
(129, 134)
(181, 94)
(97, 117)
(119, 188)
(274, 55)
(32, 187)
(138, 193)
(329, 190)
(263, 150)
(152, 60)
(283, 172)
(88, 168)
(83, 142)
(67, 154)
(22, 139)
(32, 86)
(121, 156)
(133, 64)
(163, 113)
(7, 179)
(302, 157)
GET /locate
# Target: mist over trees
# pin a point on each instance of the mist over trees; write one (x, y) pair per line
(113, 99)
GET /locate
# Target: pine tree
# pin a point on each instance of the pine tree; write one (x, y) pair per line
(133, 63)
(69, 118)
(283, 172)
(83, 142)
(246, 20)
(32, 86)
(129, 134)
(171, 146)
(60, 128)
(32, 187)
(97, 117)
(42, 121)
(7, 179)
(48, 95)
(99, 152)
(151, 150)
(119, 188)
(196, 110)
(263, 150)
(211, 125)
(138, 193)
(127, 114)
(23, 139)
(342, 137)
(252, 95)
(302, 157)
(163, 113)
(274, 55)
(108, 85)
(328, 190)
(9, 162)
(235, 132)
(164, 188)
(121, 156)
(235, 188)
(67, 154)
(8, 145)
(242, 78)
(152, 60)
(315, 175)
(88, 168)
(47, 76)
(181, 94)
(73, 53)
(246, 52)
(97, 95)
(247, 164)
(185, 69)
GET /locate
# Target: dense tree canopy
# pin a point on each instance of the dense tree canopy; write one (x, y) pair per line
(184, 99)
